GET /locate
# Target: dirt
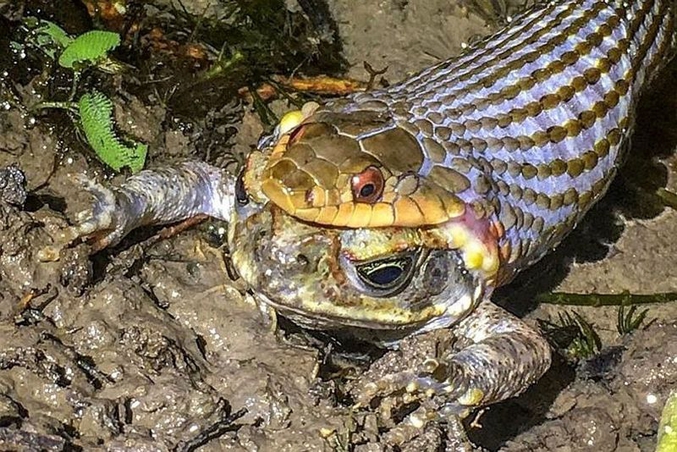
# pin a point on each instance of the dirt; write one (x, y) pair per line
(152, 346)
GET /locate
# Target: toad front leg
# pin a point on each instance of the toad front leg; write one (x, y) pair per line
(160, 196)
(495, 356)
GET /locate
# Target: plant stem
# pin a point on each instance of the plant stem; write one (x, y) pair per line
(593, 299)
(669, 198)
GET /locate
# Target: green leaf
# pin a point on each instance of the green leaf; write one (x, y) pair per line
(667, 430)
(47, 36)
(96, 120)
(89, 48)
(54, 33)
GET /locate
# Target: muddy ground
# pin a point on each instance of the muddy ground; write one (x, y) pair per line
(152, 346)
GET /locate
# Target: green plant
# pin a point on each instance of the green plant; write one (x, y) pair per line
(627, 323)
(572, 334)
(47, 36)
(89, 49)
(94, 111)
(96, 120)
(667, 430)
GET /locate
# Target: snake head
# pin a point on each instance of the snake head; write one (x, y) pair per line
(357, 169)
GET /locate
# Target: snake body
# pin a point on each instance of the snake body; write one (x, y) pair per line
(526, 129)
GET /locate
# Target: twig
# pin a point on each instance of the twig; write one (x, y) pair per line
(214, 431)
(373, 73)
(595, 300)
(321, 85)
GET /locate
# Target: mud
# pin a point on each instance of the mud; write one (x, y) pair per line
(152, 346)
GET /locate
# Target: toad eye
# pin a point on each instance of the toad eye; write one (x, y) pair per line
(388, 276)
(367, 186)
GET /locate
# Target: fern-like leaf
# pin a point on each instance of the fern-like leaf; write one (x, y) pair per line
(96, 120)
(89, 49)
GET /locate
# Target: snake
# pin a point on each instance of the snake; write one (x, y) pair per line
(526, 129)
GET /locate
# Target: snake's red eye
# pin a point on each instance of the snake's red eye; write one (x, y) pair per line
(368, 185)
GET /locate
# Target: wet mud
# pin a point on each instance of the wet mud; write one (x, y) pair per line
(155, 345)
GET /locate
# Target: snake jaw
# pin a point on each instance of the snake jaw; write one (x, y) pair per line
(476, 239)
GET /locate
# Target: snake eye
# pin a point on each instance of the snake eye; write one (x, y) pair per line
(389, 276)
(240, 192)
(368, 185)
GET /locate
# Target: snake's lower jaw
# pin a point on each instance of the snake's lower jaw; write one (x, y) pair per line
(476, 239)
(277, 194)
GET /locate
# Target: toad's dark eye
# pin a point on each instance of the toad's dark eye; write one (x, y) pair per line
(389, 276)
(368, 185)
(384, 276)
(240, 192)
